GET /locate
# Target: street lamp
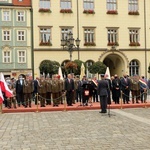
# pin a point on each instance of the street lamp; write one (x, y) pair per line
(68, 43)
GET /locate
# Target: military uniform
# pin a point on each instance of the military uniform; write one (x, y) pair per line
(48, 91)
(27, 91)
(135, 90)
(55, 91)
(11, 100)
(42, 88)
(61, 89)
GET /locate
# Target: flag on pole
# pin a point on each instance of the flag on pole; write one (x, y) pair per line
(60, 73)
(4, 87)
(107, 73)
(1, 96)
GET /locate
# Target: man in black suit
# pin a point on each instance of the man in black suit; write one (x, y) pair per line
(103, 93)
(35, 89)
(19, 90)
(69, 89)
(125, 87)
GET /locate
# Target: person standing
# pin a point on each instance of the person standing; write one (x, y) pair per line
(42, 86)
(95, 84)
(55, 91)
(143, 89)
(116, 88)
(125, 87)
(103, 93)
(27, 91)
(135, 88)
(19, 90)
(69, 89)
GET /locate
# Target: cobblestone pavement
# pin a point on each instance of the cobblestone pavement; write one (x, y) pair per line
(125, 129)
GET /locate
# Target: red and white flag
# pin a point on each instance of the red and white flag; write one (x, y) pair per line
(4, 87)
(1, 96)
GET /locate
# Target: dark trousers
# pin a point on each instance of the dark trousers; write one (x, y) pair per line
(103, 103)
(125, 96)
(20, 99)
(78, 95)
(69, 96)
(95, 96)
(48, 98)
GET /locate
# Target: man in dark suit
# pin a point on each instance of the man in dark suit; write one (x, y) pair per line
(35, 89)
(19, 90)
(125, 87)
(103, 93)
(69, 89)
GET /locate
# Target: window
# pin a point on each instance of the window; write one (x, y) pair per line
(65, 4)
(133, 5)
(45, 36)
(45, 4)
(21, 16)
(21, 56)
(6, 57)
(134, 67)
(21, 36)
(112, 37)
(64, 32)
(134, 37)
(6, 15)
(6, 35)
(89, 37)
(112, 7)
(88, 4)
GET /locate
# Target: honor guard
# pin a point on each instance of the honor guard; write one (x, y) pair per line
(42, 86)
(48, 90)
(28, 90)
(55, 91)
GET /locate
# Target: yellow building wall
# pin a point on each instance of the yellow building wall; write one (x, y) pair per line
(100, 20)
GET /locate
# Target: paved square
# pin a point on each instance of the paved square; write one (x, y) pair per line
(125, 129)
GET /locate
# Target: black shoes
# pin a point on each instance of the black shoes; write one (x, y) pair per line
(103, 112)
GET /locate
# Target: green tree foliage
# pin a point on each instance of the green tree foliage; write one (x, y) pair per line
(48, 66)
(78, 70)
(97, 67)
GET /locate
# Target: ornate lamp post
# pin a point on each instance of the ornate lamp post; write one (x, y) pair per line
(68, 43)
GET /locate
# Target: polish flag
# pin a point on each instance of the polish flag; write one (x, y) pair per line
(4, 87)
(1, 96)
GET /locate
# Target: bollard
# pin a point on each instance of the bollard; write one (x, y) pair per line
(121, 99)
(64, 102)
(37, 109)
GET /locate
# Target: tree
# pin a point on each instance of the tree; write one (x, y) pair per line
(48, 66)
(79, 63)
(97, 67)
(70, 67)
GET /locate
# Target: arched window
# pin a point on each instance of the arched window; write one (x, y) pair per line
(88, 64)
(134, 67)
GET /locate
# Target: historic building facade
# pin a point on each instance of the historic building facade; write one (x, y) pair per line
(114, 32)
(15, 37)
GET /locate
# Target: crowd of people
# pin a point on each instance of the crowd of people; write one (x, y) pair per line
(85, 91)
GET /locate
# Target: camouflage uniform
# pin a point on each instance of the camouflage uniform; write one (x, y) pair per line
(55, 91)
(48, 91)
(42, 87)
(27, 91)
